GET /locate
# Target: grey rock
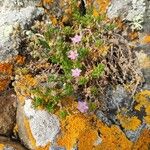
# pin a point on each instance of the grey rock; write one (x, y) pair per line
(8, 109)
(8, 148)
(130, 10)
(56, 148)
(14, 12)
(118, 98)
(43, 125)
(102, 116)
(11, 145)
(118, 8)
(134, 135)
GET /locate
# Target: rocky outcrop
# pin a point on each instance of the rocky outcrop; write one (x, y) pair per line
(37, 128)
(12, 13)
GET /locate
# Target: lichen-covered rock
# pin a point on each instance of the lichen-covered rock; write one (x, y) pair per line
(7, 112)
(5, 75)
(134, 135)
(37, 128)
(130, 10)
(12, 13)
(117, 99)
(8, 144)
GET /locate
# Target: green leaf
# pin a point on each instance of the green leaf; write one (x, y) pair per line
(63, 114)
(44, 43)
(110, 27)
(83, 80)
(50, 107)
(38, 101)
(98, 71)
(52, 78)
(83, 52)
(99, 42)
(92, 106)
(68, 89)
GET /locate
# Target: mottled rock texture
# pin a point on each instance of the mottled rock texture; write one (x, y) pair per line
(14, 12)
(7, 112)
(42, 125)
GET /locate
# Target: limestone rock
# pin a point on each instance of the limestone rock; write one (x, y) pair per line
(7, 112)
(42, 126)
(8, 144)
(14, 12)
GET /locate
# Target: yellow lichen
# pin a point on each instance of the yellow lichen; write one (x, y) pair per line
(129, 123)
(146, 39)
(15, 130)
(72, 128)
(112, 138)
(87, 139)
(29, 133)
(1, 146)
(31, 138)
(87, 130)
(23, 86)
(142, 99)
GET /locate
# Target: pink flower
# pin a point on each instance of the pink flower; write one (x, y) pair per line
(72, 55)
(76, 72)
(82, 107)
(76, 39)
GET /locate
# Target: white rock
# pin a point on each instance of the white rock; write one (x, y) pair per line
(12, 12)
(44, 126)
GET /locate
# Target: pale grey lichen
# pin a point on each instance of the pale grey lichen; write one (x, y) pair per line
(44, 126)
(130, 10)
(12, 12)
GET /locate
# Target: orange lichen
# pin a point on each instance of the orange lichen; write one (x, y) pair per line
(43, 148)
(129, 123)
(6, 68)
(112, 138)
(146, 39)
(31, 138)
(26, 82)
(102, 7)
(91, 134)
(23, 86)
(20, 59)
(143, 143)
(53, 19)
(29, 133)
(133, 35)
(4, 84)
(87, 139)
(5, 75)
(73, 127)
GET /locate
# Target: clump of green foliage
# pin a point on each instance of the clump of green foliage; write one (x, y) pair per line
(77, 59)
(59, 43)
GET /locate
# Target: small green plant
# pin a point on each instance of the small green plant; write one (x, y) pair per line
(70, 48)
